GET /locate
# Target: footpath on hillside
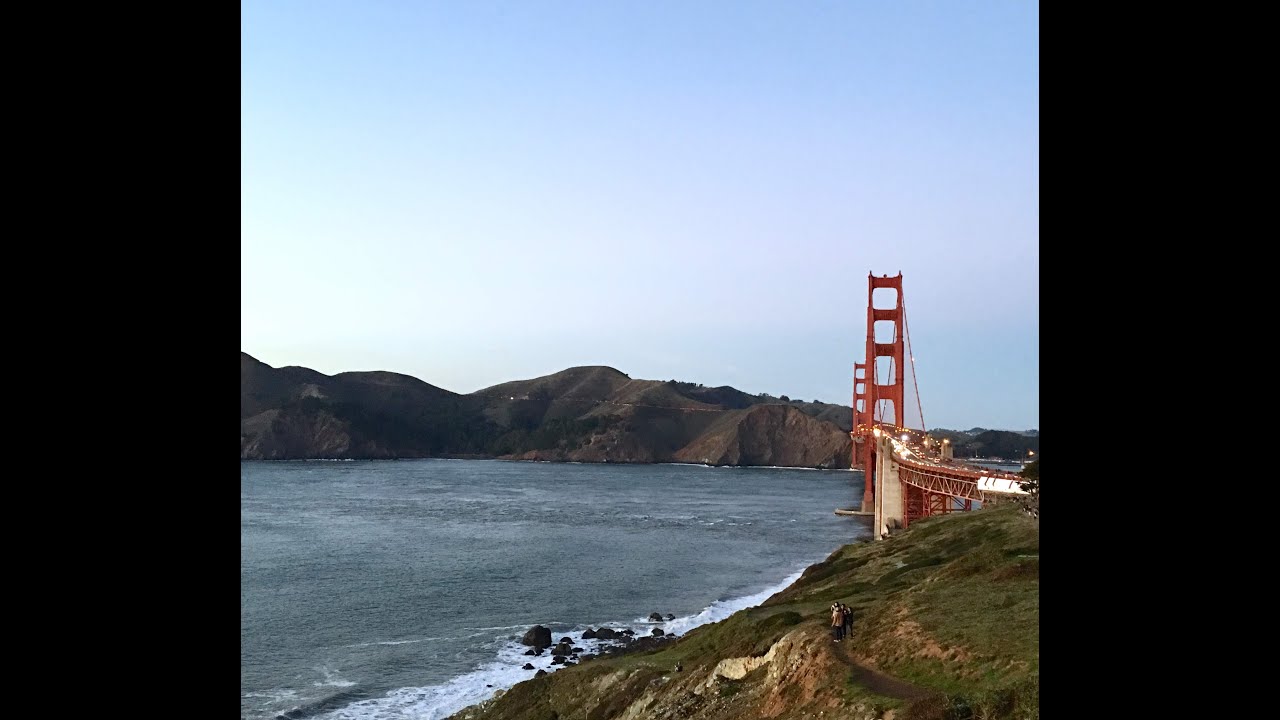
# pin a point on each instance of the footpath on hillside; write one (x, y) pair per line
(876, 681)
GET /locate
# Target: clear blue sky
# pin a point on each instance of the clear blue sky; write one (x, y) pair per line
(475, 192)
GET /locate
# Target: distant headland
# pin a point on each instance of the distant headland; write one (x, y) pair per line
(582, 414)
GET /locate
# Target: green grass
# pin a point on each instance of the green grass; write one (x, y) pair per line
(952, 605)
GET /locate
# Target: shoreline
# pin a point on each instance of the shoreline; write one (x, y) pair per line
(426, 679)
(442, 700)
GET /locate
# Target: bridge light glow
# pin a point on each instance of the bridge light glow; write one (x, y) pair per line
(905, 437)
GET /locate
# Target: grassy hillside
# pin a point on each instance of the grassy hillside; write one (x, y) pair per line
(946, 626)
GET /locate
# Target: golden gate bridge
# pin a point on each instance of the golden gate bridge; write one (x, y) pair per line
(907, 475)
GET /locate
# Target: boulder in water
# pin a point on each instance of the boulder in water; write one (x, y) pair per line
(656, 617)
(537, 636)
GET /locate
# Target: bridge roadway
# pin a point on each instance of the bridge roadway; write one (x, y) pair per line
(948, 477)
(915, 477)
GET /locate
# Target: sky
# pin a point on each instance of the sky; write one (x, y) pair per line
(477, 192)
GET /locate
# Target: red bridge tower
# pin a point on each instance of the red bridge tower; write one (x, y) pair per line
(872, 393)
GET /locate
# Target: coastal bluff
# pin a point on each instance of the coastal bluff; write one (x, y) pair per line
(946, 624)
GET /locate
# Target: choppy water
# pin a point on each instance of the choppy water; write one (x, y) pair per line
(398, 589)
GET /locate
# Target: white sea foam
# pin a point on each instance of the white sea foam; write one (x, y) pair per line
(436, 702)
(273, 699)
(288, 694)
(331, 679)
(721, 609)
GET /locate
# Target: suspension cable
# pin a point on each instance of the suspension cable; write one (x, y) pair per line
(906, 331)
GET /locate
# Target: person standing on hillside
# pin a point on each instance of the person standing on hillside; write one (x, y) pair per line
(846, 618)
(837, 622)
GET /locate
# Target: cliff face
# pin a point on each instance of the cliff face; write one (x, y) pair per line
(583, 414)
(946, 624)
(770, 435)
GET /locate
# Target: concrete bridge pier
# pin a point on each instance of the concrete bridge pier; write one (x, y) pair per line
(863, 458)
(888, 489)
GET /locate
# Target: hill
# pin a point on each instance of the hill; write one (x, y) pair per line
(946, 625)
(980, 442)
(584, 414)
(295, 413)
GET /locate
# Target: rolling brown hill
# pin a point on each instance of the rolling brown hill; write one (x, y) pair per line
(294, 413)
(583, 414)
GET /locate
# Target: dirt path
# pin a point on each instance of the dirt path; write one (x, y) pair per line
(875, 681)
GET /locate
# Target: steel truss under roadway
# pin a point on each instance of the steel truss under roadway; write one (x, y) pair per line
(929, 492)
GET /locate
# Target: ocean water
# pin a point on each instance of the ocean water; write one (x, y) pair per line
(400, 589)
